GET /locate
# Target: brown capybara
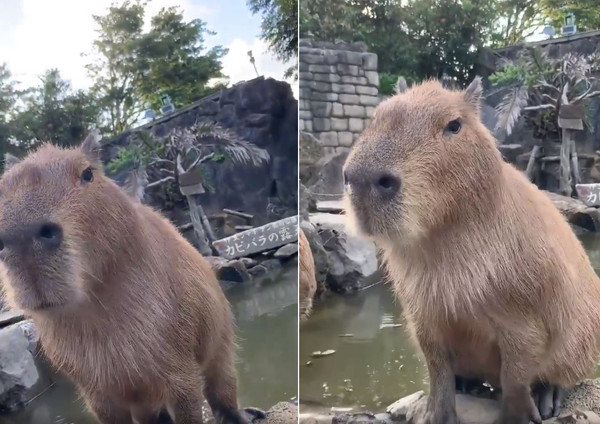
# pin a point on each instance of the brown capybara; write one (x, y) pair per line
(124, 305)
(493, 282)
(307, 281)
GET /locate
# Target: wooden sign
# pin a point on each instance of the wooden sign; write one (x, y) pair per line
(589, 193)
(571, 117)
(269, 236)
(190, 183)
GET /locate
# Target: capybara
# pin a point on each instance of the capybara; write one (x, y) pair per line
(124, 305)
(307, 281)
(493, 282)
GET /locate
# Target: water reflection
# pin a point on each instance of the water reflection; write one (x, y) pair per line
(266, 316)
(377, 364)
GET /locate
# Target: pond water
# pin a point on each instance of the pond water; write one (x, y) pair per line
(374, 363)
(267, 320)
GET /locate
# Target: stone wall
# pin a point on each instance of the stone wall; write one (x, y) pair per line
(517, 146)
(261, 111)
(338, 91)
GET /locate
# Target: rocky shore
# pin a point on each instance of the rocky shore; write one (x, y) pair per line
(582, 406)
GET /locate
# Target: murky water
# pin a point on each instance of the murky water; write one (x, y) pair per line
(375, 362)
(266, 313)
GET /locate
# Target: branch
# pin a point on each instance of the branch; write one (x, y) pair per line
(200, 160)
(158, 182)
(180, 168)
(155, 161)
(539, 107)
(168, 171)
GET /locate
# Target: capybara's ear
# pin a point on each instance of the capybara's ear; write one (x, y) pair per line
(10, 160)
(401, 86)
(91, 146)
(474, 92)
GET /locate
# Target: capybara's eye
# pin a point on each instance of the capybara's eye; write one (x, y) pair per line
(87, 175)
(453, 126)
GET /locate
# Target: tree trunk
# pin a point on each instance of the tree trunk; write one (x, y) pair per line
(565, 163)
(196, 216)
(531, 164)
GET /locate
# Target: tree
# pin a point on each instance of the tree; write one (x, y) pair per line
(279, 27)
(517, 20)
(587, 13)
(132, 68)
(539, 85)
(53, 112)
(174, 61)
(8, 94)
(162, 161)
(115, 68)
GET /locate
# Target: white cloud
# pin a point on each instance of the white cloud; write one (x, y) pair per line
(237, 64)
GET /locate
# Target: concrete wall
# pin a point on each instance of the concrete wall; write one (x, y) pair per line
(338, 91)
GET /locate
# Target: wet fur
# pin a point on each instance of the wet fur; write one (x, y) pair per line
(142, 320)
(307, 281)
(493, 282)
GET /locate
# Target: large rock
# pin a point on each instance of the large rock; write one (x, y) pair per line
(281, 413)
(328, 182)
(18, 372)
(350, 260)
(262, 111)
(577, 212)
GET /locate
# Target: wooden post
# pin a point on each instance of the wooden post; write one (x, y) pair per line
(565, 163)
(190, 185)
(570, 117)
(533, 156)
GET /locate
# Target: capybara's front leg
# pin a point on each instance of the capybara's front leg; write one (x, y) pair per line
(519, 364)
(106, 410)
(441, 405)
(188, 408)
(549, 399)
(220, 390)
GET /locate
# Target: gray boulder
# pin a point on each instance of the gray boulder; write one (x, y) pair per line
(320, 256)
(350, 260)
(18, 372)
(576, 212)
(286, 251)
(328, 181)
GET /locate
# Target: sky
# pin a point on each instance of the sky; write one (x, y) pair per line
(36, 35)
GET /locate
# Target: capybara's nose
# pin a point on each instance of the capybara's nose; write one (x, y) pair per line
(384, 184)
(48, 235)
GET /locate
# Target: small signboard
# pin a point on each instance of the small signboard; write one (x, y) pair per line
(269, 236)
(570, 117)
(589, 193)
(190, 183)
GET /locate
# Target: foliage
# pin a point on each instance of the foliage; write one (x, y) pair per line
(516, 20)
(132, 68)
(184, 150)
(279, 27)
(174, 62)
(415, 38)
(544, 84)
(587, 13)
(53, 112)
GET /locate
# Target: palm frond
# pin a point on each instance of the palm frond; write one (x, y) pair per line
(204, 136)
(509, 109)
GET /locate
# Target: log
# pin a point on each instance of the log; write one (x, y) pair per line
(236, 213)
(533, 157)
(201, 237)
(565, 163)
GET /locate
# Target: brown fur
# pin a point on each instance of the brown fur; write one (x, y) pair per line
(493, 282)
(307, 281)
(126, 307)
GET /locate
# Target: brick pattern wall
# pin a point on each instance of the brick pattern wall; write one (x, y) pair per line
(338, 91)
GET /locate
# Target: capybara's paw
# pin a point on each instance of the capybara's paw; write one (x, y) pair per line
(244, 416)
(520, 411)
(439, 417)
(255, 413)
(548, 399)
